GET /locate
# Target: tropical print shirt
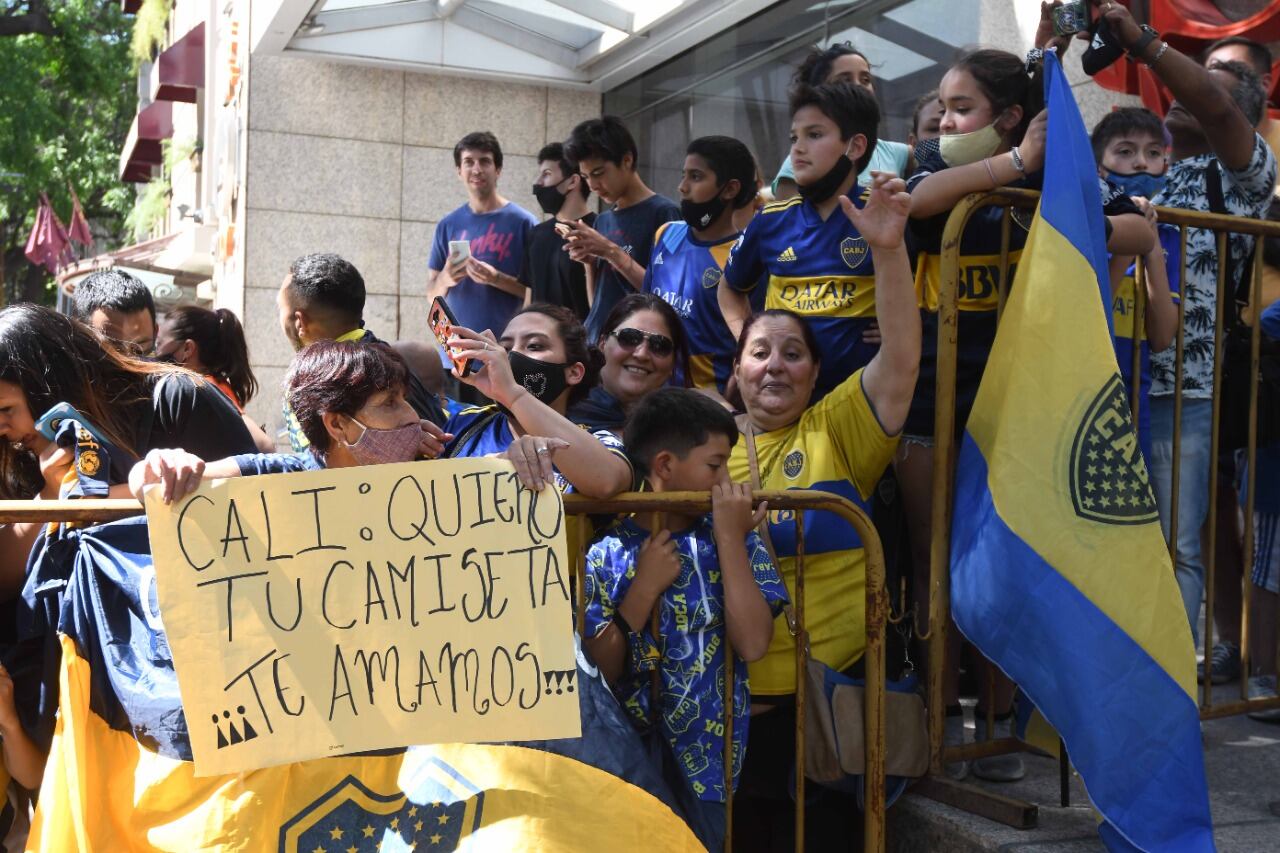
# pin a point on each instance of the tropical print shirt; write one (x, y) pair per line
(1246, 192)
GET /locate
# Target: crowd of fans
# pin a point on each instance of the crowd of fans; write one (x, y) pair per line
(723, 342)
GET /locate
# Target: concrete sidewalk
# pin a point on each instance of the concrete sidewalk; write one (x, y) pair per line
(1242, 759)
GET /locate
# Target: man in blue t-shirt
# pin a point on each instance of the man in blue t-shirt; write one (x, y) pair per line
(481, 286)
(620, 243)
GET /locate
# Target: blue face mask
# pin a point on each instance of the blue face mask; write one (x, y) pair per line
(1139, 183)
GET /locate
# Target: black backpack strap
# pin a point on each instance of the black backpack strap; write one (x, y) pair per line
(1213, 188)
(1239, 283)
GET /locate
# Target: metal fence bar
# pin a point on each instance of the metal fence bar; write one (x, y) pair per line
(1251, 452)
(877, 610)
(1139, 317)
(802, 663)
(943, 478)
(1175, 483)
(1226, 302)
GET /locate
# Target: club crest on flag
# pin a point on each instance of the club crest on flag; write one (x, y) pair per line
(1109, 480)
(442, 812)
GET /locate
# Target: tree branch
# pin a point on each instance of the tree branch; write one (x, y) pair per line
(36, 21)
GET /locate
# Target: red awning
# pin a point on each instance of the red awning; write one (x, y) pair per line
(142, 148)
(179, 70)
(1190, 26)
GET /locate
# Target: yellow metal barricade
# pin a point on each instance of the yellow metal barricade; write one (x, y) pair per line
(945, 446)
(877, 608)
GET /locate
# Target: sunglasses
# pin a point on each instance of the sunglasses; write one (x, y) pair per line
(659, 345)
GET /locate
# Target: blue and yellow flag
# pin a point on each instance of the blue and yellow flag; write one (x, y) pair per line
(120, 775)
(1059, 572)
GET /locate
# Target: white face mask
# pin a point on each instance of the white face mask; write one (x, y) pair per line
(961, 149)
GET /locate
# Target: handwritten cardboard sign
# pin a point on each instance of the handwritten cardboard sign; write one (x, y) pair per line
(338, 611)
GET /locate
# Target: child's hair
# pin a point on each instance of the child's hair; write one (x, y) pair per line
(816, 67)
(925, 100)
(676, 420)
(554, 152)
(604, 138)
(730, 160)
(1003, 79)
(1126, 121)
(852, 108)
(219, 338)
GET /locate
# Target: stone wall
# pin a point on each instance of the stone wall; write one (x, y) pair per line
(359, 161)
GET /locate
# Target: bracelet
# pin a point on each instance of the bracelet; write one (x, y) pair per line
(1148, 35)
(1164, 45)
(1017, 160)
(987, 162)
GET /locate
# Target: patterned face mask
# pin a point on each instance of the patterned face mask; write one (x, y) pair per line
(381, 446)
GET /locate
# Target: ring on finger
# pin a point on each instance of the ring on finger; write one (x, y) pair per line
(543, 450)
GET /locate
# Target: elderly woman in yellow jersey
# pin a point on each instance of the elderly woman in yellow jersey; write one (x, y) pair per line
(841, 444)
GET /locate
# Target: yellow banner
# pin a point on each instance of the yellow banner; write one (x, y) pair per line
(338, 611)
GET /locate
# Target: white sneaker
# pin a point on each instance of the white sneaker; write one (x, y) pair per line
(954, 734)
(998, 768)
(1263, 687)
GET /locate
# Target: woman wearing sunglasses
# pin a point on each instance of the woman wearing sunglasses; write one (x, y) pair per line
(643, 342)
(533, 372)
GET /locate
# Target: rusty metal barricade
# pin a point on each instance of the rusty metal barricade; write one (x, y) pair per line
(877, 608)
(994, 806)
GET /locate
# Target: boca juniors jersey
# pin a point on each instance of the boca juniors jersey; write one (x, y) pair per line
(819, 269)
(684, 271)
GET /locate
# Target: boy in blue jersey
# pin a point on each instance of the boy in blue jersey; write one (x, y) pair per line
(718, 180)
(818, 265)
(711, 579)
(1129, 145)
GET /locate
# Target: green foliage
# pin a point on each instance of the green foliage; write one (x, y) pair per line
(149, 30)
(65, 108)
(177, 150)
(149, 209)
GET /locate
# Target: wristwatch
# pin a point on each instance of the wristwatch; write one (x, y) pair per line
(1149, 35)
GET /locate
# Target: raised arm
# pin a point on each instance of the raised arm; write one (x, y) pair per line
(592, 468)
(1229, 133)
(889, 381)
(734, 305)
(938, 192)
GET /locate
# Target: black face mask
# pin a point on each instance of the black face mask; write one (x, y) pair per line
(700, 214)
(550, 199)
(826, 186)
(543, 379)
